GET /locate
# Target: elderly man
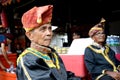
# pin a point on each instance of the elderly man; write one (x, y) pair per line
(100, 59)
(39, 61)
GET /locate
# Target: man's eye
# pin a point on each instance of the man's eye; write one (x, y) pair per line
(50, 28)
(42, 29)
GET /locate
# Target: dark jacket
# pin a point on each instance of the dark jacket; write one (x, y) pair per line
(35, 65)
(97, 60)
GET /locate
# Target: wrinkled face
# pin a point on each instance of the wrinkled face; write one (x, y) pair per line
(99, 37)
(41, 35)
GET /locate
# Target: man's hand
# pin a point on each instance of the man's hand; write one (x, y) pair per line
(115, 75)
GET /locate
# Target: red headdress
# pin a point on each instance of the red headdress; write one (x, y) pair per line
(97, 27)
(36, 17)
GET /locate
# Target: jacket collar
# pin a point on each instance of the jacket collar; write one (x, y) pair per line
(41, 48)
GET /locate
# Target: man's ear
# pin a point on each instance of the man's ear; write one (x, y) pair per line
(93, 38)
(29, 35)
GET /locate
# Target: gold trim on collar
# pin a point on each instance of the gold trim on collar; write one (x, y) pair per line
(100, 50)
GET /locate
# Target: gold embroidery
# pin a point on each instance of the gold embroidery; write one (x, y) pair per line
(45, 57)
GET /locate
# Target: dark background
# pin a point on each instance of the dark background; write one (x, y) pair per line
(68, 15)
(75, 11)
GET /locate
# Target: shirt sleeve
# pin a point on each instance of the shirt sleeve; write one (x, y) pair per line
(2, 39)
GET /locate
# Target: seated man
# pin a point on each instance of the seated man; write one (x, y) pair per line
(39, 61)
(100, 59)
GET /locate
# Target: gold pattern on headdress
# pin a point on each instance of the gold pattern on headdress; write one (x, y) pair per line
(39, 21)
(102, 20)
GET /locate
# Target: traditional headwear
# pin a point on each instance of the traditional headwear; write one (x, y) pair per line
(97, 27)
(36, 17)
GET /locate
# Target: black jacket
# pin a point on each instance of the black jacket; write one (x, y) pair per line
(32, 66)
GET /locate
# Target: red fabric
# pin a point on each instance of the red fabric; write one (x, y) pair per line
(94, 30)
(4, 19)
(118, 56)
(75, 63)
(29, 19)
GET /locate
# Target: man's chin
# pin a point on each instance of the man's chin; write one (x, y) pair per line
(47, 44)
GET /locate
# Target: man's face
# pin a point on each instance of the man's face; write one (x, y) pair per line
(99, 37)
(41, 35)
(75, 36)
